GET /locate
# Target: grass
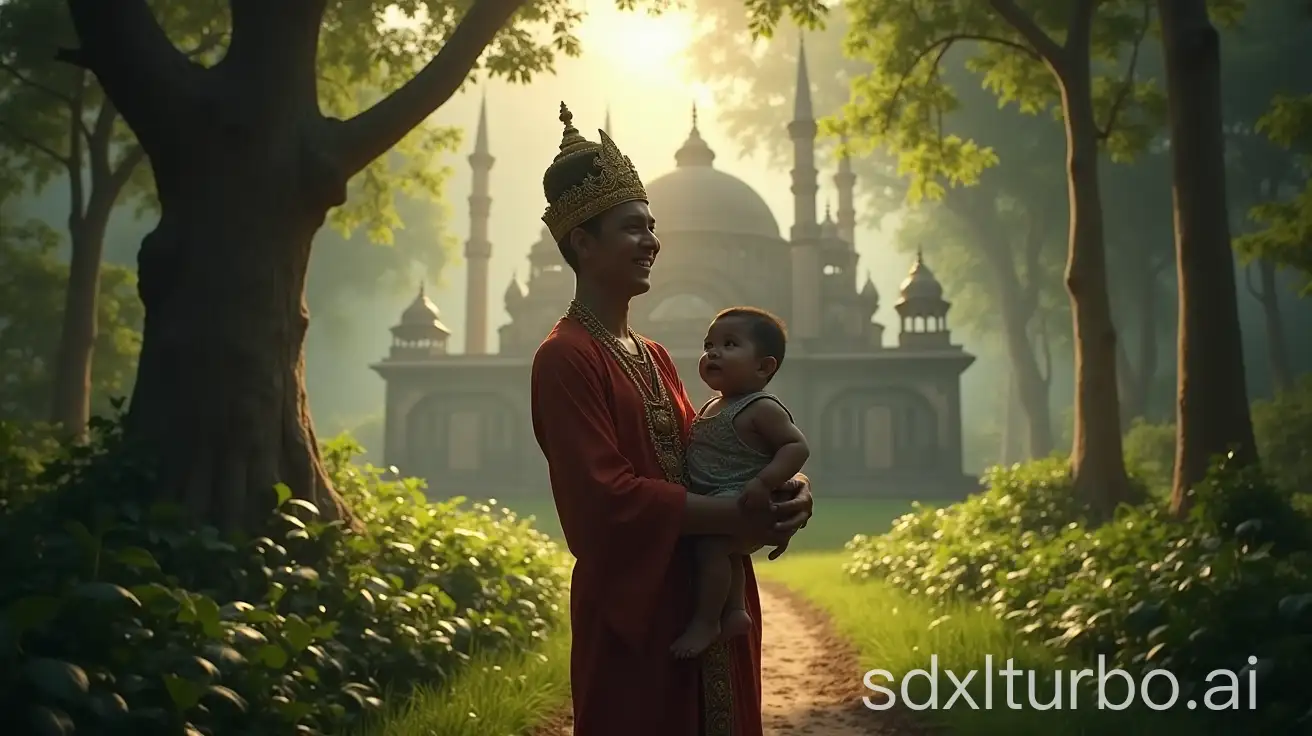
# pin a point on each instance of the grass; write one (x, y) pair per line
(835, 521)
(897, 632)
(495, 695)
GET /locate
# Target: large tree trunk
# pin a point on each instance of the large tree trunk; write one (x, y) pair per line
(1097, 460)
(1212, 400)
(246, 168)
(220, 388)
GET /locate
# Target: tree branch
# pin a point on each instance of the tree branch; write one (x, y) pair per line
(138, 67)
(1251, 284)
(34, 84)
(370, 134)
(9, 129)
(1043, 45)
(122, 172)
(942, 46)
(1127, 83)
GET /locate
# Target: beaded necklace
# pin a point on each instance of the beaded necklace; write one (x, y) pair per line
(657, 404)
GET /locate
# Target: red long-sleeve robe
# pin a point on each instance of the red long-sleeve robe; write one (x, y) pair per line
(632, 591)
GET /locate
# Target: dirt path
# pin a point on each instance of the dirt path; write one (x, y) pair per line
(810, 677)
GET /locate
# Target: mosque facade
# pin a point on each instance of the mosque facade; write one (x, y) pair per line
(881, 420)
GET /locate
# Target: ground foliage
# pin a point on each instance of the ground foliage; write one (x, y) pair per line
(122, 618)
(1147, 591)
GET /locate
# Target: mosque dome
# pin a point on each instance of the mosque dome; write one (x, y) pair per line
(920, 285)
(697, 197)
(422, 312)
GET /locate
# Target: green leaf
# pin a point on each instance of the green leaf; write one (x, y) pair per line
(219, 694)
(137, 558)
(284, 494)
(297, 633)
(272, 656)
(108, 593)
(184, 693)
(301, 503)
(59, 679)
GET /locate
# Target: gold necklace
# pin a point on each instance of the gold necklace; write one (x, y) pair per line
(657, 405)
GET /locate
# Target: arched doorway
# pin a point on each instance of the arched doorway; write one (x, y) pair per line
(464, 443)
(875, 431)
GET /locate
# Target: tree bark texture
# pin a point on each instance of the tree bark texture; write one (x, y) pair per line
(1097, 459)
(247, 168)
(1212, 413)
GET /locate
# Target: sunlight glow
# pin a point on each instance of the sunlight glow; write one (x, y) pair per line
(642, 45)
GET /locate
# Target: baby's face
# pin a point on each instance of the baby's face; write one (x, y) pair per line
(729, 361)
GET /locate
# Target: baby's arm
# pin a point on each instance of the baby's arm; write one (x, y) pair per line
(771, 422)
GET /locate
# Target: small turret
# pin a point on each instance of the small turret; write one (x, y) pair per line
(514, 294)
(922, 308)
(420, 333)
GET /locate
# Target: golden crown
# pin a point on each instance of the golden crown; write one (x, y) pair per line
(615, 182)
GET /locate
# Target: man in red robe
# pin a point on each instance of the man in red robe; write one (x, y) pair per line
(612, 417)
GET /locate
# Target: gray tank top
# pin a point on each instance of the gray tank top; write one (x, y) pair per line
(717, 461)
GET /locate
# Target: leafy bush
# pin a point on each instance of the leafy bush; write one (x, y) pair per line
(1150, 453)
(1283, 426)
(1145, 590)
(120, 618)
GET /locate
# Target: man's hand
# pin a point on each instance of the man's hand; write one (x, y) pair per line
(792, 513)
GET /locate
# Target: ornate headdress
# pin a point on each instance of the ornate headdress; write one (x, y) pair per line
(608, 179)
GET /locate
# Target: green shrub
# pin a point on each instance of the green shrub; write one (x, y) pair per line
(1283, 426)
(1150, 454)
(1145, 590)
(121, 618)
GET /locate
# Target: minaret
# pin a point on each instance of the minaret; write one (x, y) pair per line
(478, 249)
(845, 181)
(802, 131)
(804, 253)
(606, 125)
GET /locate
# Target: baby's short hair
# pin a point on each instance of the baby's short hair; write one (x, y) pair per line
(768, 334)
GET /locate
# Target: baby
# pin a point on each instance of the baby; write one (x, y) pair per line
(743, 444)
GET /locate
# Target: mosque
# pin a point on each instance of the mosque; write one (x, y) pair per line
(882, 421)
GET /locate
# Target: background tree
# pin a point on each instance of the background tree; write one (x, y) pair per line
(1285, 234)
(31, 283)
(59, 129)
(1037, 55)
(1264, 60)
(248, 160)
(1212, 403)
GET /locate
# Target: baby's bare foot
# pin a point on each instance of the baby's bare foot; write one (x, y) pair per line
(735, 623)
(699, 635)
